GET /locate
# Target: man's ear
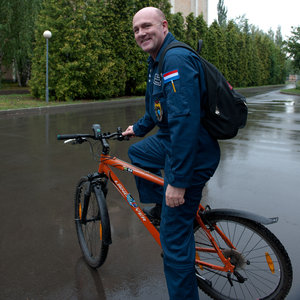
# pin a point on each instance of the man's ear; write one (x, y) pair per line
(165, 26)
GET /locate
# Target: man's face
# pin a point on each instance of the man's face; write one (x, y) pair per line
(149, 31)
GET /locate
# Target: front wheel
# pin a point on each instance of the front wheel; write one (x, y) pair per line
(89, 224)
(262, 265)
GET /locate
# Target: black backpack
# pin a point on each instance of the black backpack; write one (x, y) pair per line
(225, 109)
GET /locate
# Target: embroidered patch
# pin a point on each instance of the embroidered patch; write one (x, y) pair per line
(158, 110)
(157, 80)
(172, 75)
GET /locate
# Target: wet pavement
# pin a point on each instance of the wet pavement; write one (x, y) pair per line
(40, 257)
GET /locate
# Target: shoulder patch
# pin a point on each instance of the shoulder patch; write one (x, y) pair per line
(171, 75)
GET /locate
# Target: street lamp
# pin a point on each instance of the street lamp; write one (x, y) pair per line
(47, 35)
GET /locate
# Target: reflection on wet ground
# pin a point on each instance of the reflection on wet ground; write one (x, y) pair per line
(40, 257)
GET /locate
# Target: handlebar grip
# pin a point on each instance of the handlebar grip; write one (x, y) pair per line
(72, 136)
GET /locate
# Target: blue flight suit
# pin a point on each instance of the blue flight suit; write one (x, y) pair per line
(186, 152)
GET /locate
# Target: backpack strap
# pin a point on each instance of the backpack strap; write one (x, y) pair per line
(175, 45)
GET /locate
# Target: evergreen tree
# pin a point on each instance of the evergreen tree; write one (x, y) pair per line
(217, 54)
(293, 48)
(278, 65)
(246, 54)
(222, 13)
(191, 31)
(254, 62)
(232, 59)
(81, 65)
(118, 16)
(202, 32)
(263, 50)
(17, 19)
(176, 26)
(278, 37)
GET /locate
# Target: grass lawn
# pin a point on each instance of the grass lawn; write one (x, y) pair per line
(292, 91)
(17, 101)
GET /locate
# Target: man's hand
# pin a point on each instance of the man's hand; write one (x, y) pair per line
(174, 196)
(129, 131)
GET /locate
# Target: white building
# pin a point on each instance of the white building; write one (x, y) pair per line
(187, 6)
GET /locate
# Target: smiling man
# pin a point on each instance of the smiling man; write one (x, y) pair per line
(150, 30)
(181, 146)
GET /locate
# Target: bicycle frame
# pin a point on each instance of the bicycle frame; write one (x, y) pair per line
(107, 161)
(104, 167)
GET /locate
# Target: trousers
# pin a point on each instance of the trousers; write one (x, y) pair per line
(176, 228)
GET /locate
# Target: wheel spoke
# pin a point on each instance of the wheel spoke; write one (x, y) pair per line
(258, 256)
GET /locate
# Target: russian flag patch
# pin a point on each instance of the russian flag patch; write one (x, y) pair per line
(172, 75)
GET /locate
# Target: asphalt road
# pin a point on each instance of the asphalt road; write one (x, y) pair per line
(40, 257)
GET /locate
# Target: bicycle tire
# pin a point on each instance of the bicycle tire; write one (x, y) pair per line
(255, 246)
(90, 233)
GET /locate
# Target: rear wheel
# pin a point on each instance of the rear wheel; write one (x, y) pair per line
(89, 225)
(262, 265)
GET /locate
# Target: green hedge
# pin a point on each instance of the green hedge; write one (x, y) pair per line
(93, 54)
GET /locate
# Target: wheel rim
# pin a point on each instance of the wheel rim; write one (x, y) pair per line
(91, 230)
(255, 260)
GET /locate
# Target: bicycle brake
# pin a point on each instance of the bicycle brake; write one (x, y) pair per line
(229, 278)
(75, 141)
(239, 277)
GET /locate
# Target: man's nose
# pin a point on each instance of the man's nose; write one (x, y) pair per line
(142, 32)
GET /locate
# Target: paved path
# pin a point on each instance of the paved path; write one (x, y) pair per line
(40, 256)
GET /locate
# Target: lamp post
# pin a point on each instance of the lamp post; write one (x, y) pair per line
(47, 35)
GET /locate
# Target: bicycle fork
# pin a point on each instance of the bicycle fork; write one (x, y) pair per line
(97, 184)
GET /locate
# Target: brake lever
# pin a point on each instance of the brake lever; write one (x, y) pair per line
(121, 137)
(75, 141)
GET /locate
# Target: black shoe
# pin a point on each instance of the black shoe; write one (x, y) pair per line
(153, 213)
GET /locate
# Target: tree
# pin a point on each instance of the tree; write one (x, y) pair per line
(202, 33)
(176, 26)
(222, 13)
(81, 65)
(278, 37)
(254, 66)
(232, 60)
(278, 58)
(118, 14)
(217, 47)
(17, 19)
(293, 48)
(191, 31)
(132, 62)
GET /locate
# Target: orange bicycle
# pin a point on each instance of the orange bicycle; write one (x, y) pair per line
(237, 257)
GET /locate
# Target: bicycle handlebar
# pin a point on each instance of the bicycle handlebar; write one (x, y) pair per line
(96, 136)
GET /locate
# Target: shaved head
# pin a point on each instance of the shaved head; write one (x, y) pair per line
(150, 28)
(153, 10)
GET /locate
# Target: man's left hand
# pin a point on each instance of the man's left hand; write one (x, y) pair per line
(174, 196)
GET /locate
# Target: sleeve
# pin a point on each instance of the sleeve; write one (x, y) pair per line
(144, 124)
(183, 103)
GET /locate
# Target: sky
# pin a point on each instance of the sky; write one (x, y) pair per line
(264, 14)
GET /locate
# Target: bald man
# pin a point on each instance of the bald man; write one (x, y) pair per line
(181, 147)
